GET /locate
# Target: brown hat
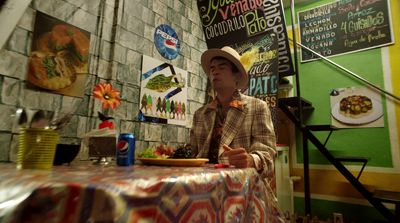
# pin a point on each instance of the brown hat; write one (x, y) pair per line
(230, 54)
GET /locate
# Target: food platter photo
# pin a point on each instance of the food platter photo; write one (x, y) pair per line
(357, 109)
(59, 56)
(51, 71)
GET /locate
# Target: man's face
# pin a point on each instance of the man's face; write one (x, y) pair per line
(221, 75)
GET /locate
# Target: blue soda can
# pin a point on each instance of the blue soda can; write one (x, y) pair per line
(126, 149)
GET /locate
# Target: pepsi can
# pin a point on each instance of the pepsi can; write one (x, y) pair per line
(126, 149)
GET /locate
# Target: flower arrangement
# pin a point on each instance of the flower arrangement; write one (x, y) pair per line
(109, 97)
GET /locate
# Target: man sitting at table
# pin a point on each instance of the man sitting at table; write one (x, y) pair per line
(233, 128)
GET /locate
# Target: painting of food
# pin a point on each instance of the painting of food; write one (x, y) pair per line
(59, 57)
(353, 107)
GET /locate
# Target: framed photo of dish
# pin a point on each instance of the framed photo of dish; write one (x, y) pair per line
(356, 107)
(58, 61)
(163, 93)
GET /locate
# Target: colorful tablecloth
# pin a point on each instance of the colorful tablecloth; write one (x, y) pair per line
(89, 193)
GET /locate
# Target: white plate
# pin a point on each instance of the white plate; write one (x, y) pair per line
(375, 114)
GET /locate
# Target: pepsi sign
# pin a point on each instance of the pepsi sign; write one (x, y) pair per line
(167, 42)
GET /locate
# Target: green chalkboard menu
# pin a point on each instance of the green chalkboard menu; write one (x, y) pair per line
(227, 22)
(345, 26)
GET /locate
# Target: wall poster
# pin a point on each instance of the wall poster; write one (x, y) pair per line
(163, 93)
(228, 22)
(356, 107)
(259, 57)
(345, 26)
(58, 61)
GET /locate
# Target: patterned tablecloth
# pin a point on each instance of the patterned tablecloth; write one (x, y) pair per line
(89, 193)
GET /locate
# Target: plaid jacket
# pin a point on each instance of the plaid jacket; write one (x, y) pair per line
(248, 125)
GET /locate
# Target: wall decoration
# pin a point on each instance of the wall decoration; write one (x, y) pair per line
(259, 56)
(228, 22)
(356, 107)
(167, 42)
(345, 26)
(163, 94)
(58, 61)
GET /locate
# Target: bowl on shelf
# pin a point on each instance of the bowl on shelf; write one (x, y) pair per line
(65, 153)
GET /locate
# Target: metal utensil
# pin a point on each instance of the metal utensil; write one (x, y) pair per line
(21, 117)
(41, 119)
(20, 120)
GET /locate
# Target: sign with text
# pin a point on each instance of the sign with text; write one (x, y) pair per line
(167, 42)
(226, 22)
(259, 57)
(345, 26)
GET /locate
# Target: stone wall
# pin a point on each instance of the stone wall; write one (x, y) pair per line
(121, 32)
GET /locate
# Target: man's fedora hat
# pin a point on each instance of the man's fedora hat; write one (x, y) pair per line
(229, 54)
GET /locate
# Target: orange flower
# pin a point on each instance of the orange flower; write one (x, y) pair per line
(236, 104)
(108, 96)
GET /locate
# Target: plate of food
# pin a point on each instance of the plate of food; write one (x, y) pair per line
(357, 110)
(192, 162)
(164, 155)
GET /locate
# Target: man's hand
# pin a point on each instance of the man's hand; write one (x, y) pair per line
(238, 157)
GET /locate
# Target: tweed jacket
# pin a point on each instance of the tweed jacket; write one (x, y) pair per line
(248, 126)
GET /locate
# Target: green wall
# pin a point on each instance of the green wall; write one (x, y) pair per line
(318, 78)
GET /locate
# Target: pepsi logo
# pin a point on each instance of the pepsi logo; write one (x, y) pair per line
(122, 146)
(169, 44)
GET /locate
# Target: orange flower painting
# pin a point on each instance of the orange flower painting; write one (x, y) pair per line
(108, 96)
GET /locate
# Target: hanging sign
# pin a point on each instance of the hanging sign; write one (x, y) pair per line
(345, 26)
(167, 42)
(228, 22)
(259, 57)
